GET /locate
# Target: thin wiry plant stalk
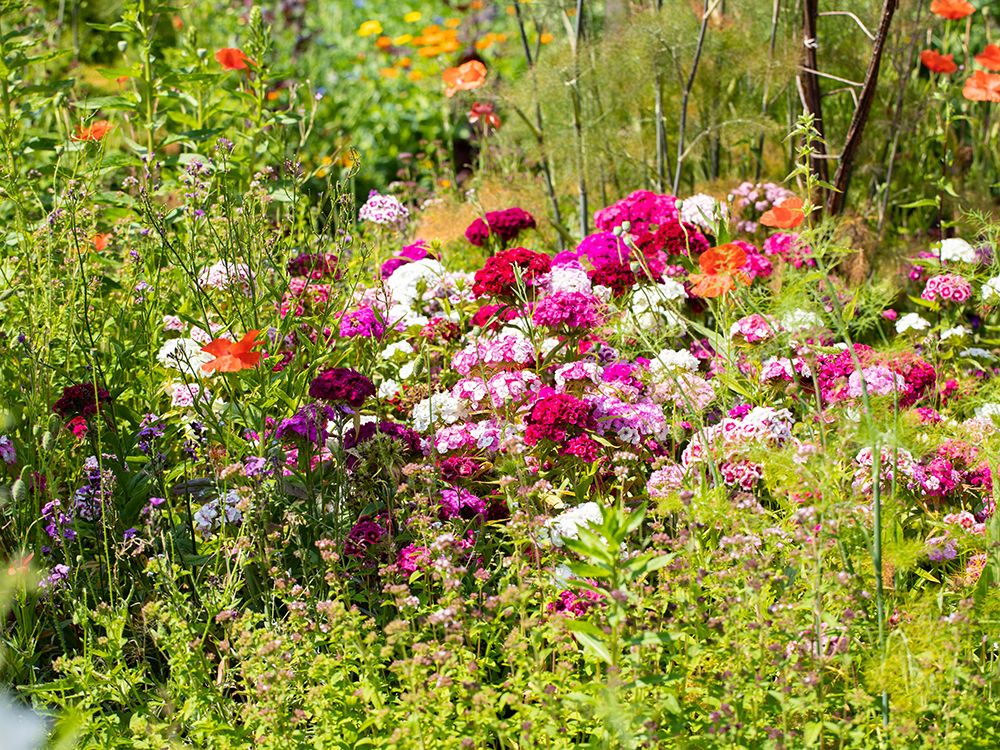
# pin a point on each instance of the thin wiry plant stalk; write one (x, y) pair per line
(772, 45)
(707, 10)
(661, 134)
(539, 125)
(896, 123)
(581, 160)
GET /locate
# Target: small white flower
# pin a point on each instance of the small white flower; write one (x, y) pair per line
(800, 320)
(956, 250)
(956, 332)
(388, 388)
(912, 322)
(184, 355)
(976, 353)
(400, 347)
(991, 290)
(674, 359)
(988, 410)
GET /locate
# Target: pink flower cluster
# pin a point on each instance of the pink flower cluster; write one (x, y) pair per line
(567, 309)
(508, 351)
(947, 287)
(640, 208)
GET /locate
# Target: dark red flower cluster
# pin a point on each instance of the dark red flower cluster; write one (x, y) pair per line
(458, 467)
(673, 238)
(494, 316)
(364, 537)
(314, 265)
(80, 400)
(497, 277)
(505, 225)
(558, 418)
(441, 330)
(342, 385)
(618, 277)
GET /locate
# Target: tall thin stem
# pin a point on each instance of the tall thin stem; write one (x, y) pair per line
(709, 7)
(539, 126)
(581, 161)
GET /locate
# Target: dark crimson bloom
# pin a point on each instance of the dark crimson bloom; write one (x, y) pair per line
(364, 537)
(504, 225)
(558, 418)
(342, 385)
(308, 423)
(618, 277)
(314, 265)
(497, 277)
(81, 400)
(493, 316)
(673, 238)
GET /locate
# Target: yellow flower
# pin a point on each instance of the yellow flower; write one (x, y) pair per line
(415, 75)
(389, 73)
(370, 28)
(413, 16)
(402, 39)
(444, 182)
(453, 23)
(545, 38)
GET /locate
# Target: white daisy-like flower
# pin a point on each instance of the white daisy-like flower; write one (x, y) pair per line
(956, 250)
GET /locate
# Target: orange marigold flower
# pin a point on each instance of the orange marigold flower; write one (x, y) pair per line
(233, 357)
(786, 215)
(935, 62)
(982, 87)
(989, 58)
(952, 9)
(233, 58)
(93, 132)
(101, 241)
(466, 77)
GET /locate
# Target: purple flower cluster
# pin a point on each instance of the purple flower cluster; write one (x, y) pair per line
(641, 209)
(567, 309)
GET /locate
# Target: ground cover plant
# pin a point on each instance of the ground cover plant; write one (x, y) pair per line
(488, 375)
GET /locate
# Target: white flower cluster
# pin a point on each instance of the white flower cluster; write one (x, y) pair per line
(184, 355)
(212, 515)
(703, 211)
(438, 408)
(673, 360)
(956, 250)
(912, 322)
(567, 524)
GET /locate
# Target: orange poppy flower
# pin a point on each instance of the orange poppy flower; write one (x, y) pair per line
(989, 58)
(982, 87)
(465, 77)
(93, 132)
(952, 9)
(935, 62)
(233, 58)
(233, 357)
(786, 215)
(720, 270)
(101, 241)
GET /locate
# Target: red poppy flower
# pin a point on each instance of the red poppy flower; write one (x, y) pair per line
(233, 357)
(786, 215)
(935, 62)
(233, 58)
(484, 111)
(989, 58)
(93, 132)
(982, 87)
(101, 241)
(953, 10)
(465, 77)
(720, 268)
